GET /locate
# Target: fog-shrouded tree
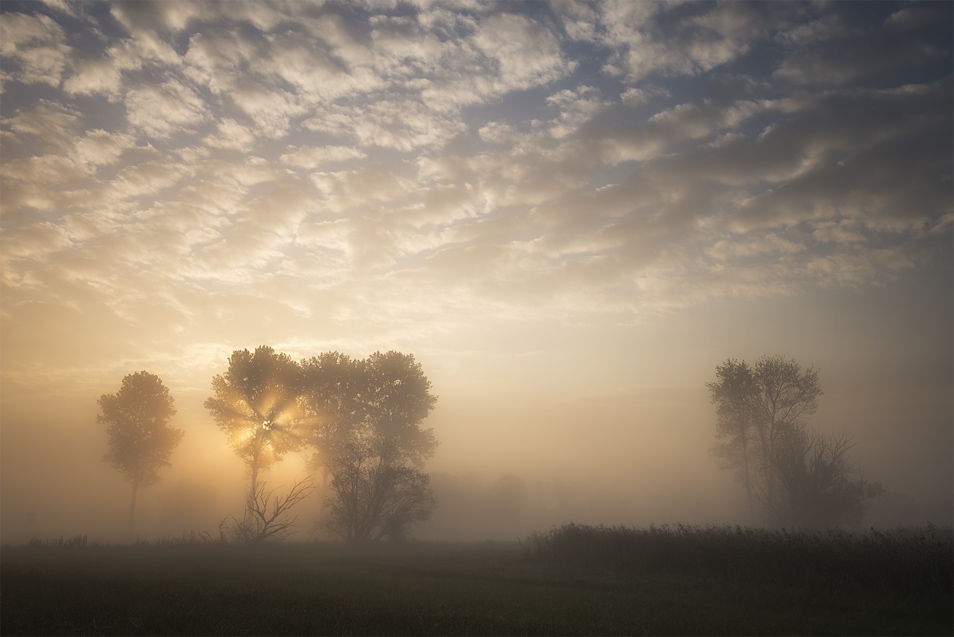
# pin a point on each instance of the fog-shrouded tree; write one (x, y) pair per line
(396, 399)
(140, 440)
(255, 403)
(820, 486)
(377, 495)
(731, 393)
(367, 417)
(792, 475)
(331, 404)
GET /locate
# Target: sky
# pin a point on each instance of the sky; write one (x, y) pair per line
(569, 212)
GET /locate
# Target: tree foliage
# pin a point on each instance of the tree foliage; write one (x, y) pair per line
(367, 417)
(140, 441)
(792, 475)
(361, 417)
(331, 402)
(255, 404)
(376, 494)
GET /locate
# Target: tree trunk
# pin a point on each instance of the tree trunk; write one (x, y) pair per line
(132, 509)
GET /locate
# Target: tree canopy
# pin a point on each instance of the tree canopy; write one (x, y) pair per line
(140, 441)
(362, 418)
(792, 475)
(255, 403)
(366, 420)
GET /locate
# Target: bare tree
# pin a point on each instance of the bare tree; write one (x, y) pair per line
(139, 438)
(267, 515)
(820, 485)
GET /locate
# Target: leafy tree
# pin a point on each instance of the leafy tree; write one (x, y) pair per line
(367, 429)
(396, 400)
(791, 475)
(331, 405)
(255, 404)
(377, 495)
(735, 419)
(139, 438)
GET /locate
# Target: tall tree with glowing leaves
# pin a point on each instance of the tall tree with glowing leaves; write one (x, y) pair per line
(255, 405)
(139, 438)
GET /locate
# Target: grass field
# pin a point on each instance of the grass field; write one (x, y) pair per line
(569, 580)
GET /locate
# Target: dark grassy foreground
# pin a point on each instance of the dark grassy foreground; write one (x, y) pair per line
(571, 580)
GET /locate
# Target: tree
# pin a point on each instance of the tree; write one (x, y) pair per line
(268, 516)
(783, 395)
(820, 486)
(139, 438)
(376, 494)
(368, 434)
(791, 474)
(256, 405)
(396, 399)
(331, 405)
(735, 419)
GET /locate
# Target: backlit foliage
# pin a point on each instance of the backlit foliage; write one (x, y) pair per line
(255, 404)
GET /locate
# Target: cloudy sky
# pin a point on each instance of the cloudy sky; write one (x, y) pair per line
(569, 212)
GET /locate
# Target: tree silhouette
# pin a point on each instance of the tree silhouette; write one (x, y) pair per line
(367, 429)
(139, 438)
(267, 515)
(820, 486)
(791, 474)
(735, 419)
(255, 404)
(331, 404)
(377, 494)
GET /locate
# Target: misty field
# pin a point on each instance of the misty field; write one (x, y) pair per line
(569, 580)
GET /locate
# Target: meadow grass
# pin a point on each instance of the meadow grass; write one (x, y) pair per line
(569, 580)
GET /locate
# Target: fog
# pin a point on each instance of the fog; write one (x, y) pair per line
(517, 452)
(568, 213)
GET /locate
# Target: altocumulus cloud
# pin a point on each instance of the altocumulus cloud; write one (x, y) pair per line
(393, 165)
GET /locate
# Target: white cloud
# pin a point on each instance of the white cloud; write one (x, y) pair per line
(95, 76)
(100, 147)
(52, 123)
(312, 157)
(634, 96)
(450, 159)
(681, 40)
(164, 109)
(232, 135)
(524, 53)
